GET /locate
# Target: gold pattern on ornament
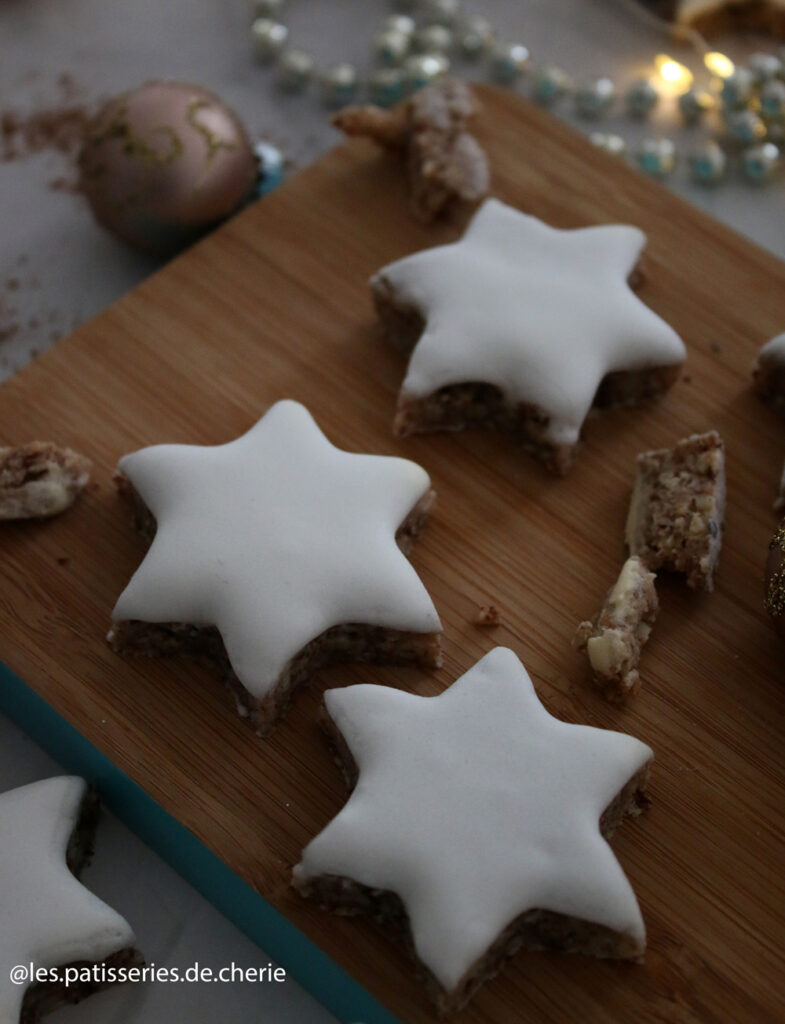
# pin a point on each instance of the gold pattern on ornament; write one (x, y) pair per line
(214, 141)
(134, 145)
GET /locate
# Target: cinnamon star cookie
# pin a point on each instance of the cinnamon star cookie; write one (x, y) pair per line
(523, 327)
(479, 822)
(275, 554)
(47, 917)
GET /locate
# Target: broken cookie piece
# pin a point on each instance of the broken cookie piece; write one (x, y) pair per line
(444, 163)
(614, 640)
(39, 479)
(677, 508)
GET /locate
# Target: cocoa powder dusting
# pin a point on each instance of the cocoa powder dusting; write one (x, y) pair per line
(58, 128)
(61, 129)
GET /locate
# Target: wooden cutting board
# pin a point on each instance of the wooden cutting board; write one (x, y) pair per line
(275, 305)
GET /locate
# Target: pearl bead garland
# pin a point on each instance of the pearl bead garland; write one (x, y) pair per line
(414, 47)
(508, 62)
(656, 157)
(745, 128)
(708, 164)
(434, 39)
(594, 99)
(268, 38)
(694, 104)
(641, 98)
(295, 68)
(760, 162)
(476, 38)
(390, 46)
(612, 144)
(551, 83)
(737, 89)
(339, 84)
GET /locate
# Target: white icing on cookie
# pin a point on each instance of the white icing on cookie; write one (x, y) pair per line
(474, 807)
(47, 917)
(542, 314)
(274, 538)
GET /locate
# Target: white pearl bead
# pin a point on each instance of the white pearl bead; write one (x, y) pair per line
(694, 103)
(338, 84)
(759, 163)
(441, 12)
(269, 8)
(476, 37)
(656, 157)
(295, 68)
(772, 100)
(398, 23)
(594, 99)
(390, 47)
(424, 68)
(641, 98)
(765, 67)
(745, 127)
(508, 62)
(708, 164)
(386, 86)
(268, 38)
(737, 89)
(613, 144)
(550, 85)
(433, 39)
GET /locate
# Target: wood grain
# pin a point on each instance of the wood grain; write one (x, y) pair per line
(275, 305)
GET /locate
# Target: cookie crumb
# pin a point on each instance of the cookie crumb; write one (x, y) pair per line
(487, 616)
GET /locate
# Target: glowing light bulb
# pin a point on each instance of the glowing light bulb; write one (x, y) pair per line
(672, 72)
(718, 64)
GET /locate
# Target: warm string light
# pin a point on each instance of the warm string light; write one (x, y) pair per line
(676, 78)
(674, 74)
(718, 64)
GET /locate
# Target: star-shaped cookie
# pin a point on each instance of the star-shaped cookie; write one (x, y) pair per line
(485, 818)
(524, 327)
(275, 553)
(47, 917)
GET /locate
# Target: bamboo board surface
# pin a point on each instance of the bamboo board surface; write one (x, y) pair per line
(275, 305)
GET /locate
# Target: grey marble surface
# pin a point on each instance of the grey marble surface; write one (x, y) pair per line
(58, 268)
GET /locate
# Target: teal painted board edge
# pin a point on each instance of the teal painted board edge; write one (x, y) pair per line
(206, 872)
